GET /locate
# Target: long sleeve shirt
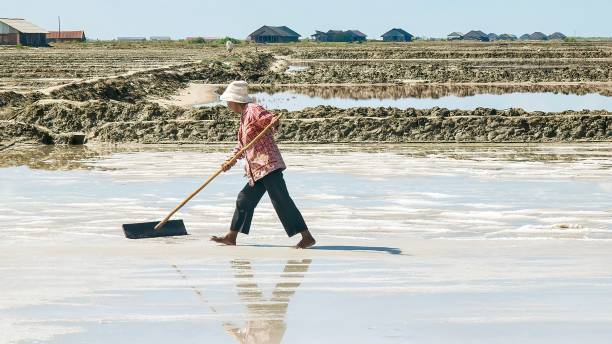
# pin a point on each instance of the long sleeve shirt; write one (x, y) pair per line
(263, 157)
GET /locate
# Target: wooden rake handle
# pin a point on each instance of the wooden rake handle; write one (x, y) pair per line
(216, 174)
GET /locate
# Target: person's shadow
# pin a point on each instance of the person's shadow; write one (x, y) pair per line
(382, 249)
(266, 316)
(390, 250)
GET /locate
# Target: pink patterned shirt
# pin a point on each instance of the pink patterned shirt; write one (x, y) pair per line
(263, 157)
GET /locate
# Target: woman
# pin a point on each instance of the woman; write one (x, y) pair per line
(264, 170)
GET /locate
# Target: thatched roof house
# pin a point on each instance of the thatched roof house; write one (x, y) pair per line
(506, 37)
(319, 36)
(397, 35)
(557, 35)
(524, 37)
(274, 34)
(340, 36)
(454, 36)
(357, 36)
(476, 35)
(538, 36)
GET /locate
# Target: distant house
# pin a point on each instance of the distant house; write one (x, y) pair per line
(202, 39)
(506, 37)
(492, 37)
(476, 36)
(524, 37)
(397, 35)
(274, 34)
(538, 36)
(160, 38)
(455, 36)
(340, 36)
(132, 39)
(15, 31)
(66, 36)
(557, 35)
(320, 36)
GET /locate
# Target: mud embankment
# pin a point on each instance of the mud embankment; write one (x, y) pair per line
(434, 91)
(443, 72)
(118, 109)
(151, 123)
(161, 82)
(460, 50)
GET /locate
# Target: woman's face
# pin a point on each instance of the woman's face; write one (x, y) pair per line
(236, 107)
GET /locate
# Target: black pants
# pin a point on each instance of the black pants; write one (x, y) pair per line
(286, 210)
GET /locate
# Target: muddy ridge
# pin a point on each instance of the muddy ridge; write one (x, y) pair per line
(120, 109)
(442, 72)
(151, 123)
(431, 90)
(459, 50)
(161, 82)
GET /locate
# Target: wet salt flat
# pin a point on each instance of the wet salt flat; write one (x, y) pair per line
(417, 243)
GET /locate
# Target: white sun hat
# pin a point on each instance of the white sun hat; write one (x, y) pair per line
(236, 92)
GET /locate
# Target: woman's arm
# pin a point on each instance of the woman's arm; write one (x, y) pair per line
(237, 149)
(265, 118)
(230, 162)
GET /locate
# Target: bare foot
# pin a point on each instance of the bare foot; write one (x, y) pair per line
(306, 242)
(229, 239)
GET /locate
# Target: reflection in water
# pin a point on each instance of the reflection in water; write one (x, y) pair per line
(51, 158)
(65, 158)
(538, 97)
(266, 316)
(433, 91)
(534, 101)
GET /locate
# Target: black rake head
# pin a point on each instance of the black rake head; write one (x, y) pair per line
(148, 231)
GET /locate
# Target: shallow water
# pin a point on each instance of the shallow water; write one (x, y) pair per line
(529, 98)
(548, 102)
(431, 191)
(417, 243)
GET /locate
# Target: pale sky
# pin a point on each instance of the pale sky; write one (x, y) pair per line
(108, 19)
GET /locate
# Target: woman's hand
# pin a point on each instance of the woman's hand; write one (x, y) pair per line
(228, 164)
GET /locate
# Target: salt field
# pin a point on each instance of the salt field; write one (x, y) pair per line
(428, 191)
(416, 243)
(453, 182)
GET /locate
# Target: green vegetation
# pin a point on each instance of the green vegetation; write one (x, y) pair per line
(216, 42)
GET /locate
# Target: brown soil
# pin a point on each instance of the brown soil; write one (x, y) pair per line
(119, 108)
(152, 123)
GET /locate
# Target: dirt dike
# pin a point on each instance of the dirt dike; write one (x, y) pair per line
(14, 99)
(256, 68)
(460, 50)
(401, 127)
(166, 81)
(430, 90)
(143, 122)
(117, 110)
(161, 82)
(443, 72)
